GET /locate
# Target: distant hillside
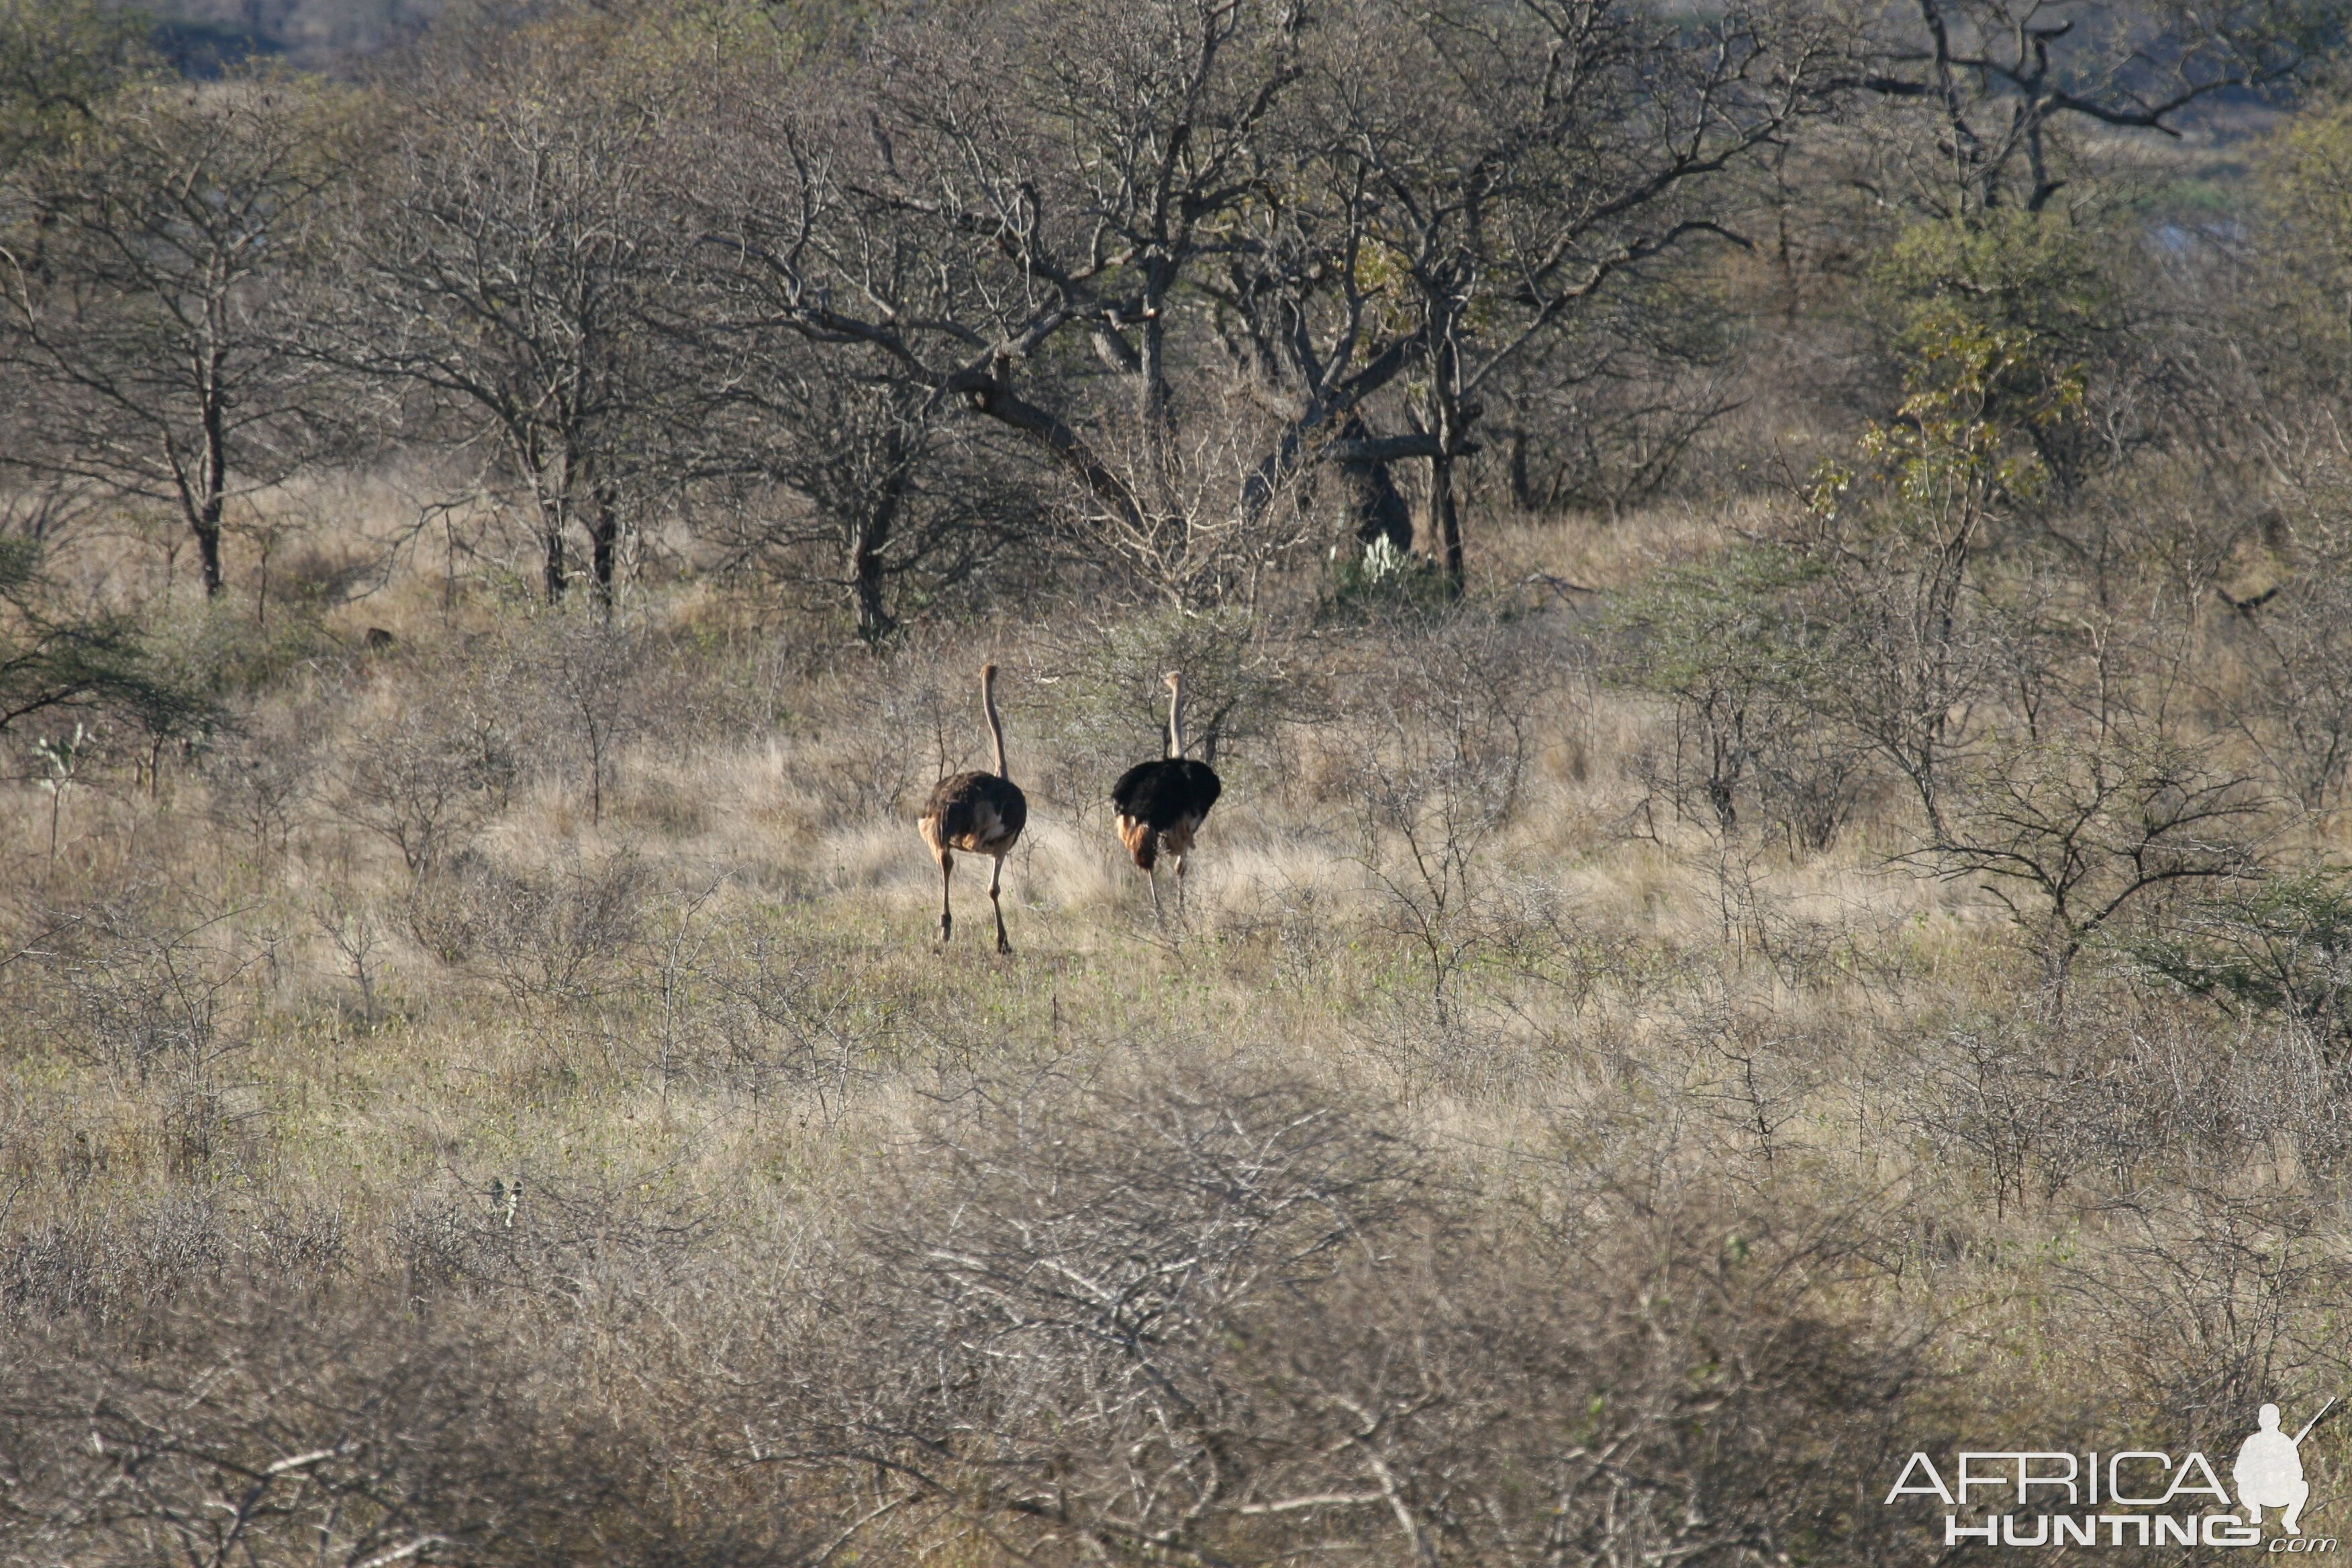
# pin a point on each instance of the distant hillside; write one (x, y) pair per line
(202, 33)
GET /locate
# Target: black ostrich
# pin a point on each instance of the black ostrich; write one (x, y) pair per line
(1161, 803)
(980, 813)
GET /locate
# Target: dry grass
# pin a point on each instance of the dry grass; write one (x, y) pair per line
(709, 1036)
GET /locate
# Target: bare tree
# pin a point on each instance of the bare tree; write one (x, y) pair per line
(2004, 103)
(2070, 824)
(1188, 186)
(1492, 171)
(959, 233)
(140, 292)
(498, 260)
(1604, 416)
(826, 469)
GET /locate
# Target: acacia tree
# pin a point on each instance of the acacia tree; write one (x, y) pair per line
(140, 280)
(2068, 825)
(499, 257)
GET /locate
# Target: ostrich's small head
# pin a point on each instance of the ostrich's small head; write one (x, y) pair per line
(988, 672)
(1175, 678)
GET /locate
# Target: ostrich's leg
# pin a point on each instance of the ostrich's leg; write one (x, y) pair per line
(994, 878)
(1152, 874)
(947, 915)
(1179, 887)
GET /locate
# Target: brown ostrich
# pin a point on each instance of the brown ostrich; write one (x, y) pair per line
(1161, 803)
(980, 813)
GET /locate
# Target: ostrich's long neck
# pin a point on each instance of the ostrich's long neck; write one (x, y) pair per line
(995, 726)
(1176, 719)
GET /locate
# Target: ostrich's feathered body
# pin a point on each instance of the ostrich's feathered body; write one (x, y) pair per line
(1160, 805)
(979, 813)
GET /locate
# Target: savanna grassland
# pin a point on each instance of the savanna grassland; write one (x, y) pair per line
(1779, 898)
(627, 1181)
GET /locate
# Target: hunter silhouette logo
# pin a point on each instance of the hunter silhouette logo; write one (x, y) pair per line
(2134, 1497)
(2269, 1471)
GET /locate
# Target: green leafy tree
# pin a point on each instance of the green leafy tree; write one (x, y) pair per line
(2048, 758)
(2041, 292)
